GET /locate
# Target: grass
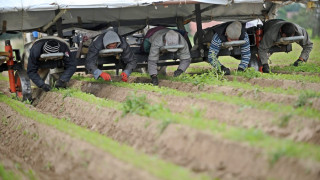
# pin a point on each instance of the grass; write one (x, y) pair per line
(151, 164)
(4, 78)
(305, 67)
(251, 73)
(289, 58)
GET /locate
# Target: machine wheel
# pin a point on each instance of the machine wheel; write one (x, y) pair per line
(23, 85)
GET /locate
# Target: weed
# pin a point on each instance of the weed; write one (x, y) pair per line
(139, 105)
(164, 124)
(197, 112)
(304, 98)
(35, 136)
(27, 102)
(284, 120)
(136, 104)
(31, 175)
(48, 166)
(7, 175)
(249, 73)
(25, 132)
(276, 155)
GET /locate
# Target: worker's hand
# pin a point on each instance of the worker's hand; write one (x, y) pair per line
(124, 77)
(298, 62)
(60, 84)
(46, 87)
(105, 76)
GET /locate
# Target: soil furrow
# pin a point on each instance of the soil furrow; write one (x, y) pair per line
(55, 155)
(296, 128)
(197, 150)
(230, 91)
(285, 84)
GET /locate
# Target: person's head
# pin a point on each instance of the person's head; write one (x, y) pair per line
(111, 40)
(233, 31)
(287, 30)
(51, 46)
(171, 39)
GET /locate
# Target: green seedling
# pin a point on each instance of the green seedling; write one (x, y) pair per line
(7, 174)
(284, 120)
(304, 99)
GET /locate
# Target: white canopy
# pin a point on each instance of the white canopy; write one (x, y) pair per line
(18, 15)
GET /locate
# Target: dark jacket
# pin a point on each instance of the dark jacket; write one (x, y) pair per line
(271, 34)
(33, 61)
(127, 55)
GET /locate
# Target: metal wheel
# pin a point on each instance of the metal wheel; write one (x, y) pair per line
(23, 85)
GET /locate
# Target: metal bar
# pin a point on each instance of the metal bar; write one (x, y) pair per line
(4, 26)
(176, 2)
(59, 25)
(199, 29)
(55, 19)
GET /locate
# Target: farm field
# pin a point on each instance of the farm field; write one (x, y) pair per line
(246, 126)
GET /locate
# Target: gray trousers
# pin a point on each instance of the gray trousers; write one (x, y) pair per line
(152, 66)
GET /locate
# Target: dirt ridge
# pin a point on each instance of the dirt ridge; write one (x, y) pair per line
(184, 146)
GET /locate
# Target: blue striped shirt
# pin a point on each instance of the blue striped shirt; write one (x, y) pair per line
(215, 48)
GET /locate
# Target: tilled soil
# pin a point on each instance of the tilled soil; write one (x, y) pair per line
(198, 150)
(285, 84)
(52, 154)
(231, 91)
(56, 155)
(298, 128)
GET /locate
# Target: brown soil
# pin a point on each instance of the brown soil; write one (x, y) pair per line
(285, 84)
(229, 91)
(52, 154)
(298, 128)
(198, 150)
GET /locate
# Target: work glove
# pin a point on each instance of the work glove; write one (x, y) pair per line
(60, 84)
(225, 70)
(105, 76)
(124, 77)
(154, 80)
(45, 87)
(177, 73)
(297, 62)
(240, 69)
(265, 68)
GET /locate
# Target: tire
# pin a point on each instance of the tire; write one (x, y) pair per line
(23, 85)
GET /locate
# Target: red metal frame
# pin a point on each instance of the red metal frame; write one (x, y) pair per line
(10, 63)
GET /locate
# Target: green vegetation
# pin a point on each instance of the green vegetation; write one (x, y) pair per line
(305, 67)
(153, 165)
(87, 97)
(208, 80)
(289, 58)
(251, 73)
(305, 98)
(7, 174)
(273, 107)
(252, 136)
(4, 78)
